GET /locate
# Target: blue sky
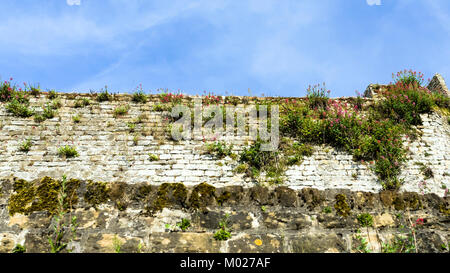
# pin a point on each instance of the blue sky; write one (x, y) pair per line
(272, 47)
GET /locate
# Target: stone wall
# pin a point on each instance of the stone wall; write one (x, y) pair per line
(302, 215)
(260, 219)
(437, 84)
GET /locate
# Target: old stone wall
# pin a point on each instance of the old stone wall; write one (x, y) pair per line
(142, 199)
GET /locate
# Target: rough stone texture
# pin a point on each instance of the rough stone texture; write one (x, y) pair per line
(108, 153)
(437, 84)
(139, 211)
(275, 227)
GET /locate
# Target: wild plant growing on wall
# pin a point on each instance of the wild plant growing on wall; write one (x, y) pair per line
(317, 96)
(374, 135)
(104, 95)
(407, 77)
(67, 151)
(139, 95)
(63, 232)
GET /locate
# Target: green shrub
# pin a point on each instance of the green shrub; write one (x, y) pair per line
(52, 94)
(365, 220)
(153, 157)
(441, 100)
(327, 209)
(408, 77)
(295, 153)
(19, 249)
(39, 118)
(160, 107)
(317, 96)
(19, 109)
(25, 146)
(168, 97)
(68, 151)
(6, 91)
(104, 95)
(131, 127)
(139, 96)
(82, 103)
(241, 168)
(184, 224)
(76, 118)
(49, 111)
(223, 233)
(56, 104)
(10, 92)
(219, 149)
(404, 104)
(121, 110)
(35, 90)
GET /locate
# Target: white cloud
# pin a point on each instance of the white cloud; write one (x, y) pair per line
(73, 2)
(373, 2)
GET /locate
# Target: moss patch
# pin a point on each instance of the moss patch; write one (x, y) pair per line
(169, 194)
(96, 193)
(21, 201)
(399, 204)
(387, 197)
(202, 195)
(443, 208)
(225, 196)
(407, 200)
(117, 195)
(40, 196)
(341, 206)
(312, 197)
(412, 200)
(143, 191)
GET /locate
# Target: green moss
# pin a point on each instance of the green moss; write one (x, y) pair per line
(71, 189)
(21, 201)
(241, 168)
(96, 193)
(144, 191)
(443, 209)
(223, 197)
(120, 206)
(42, 196)
(175, 193)
(412, 200)
(341, 206)
(202, 195)
(399, 204)
(47, 195)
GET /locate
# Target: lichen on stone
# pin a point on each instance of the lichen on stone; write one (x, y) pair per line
(223, 197)
(202, 195)
(169, 193)
(144, 191)
(399, 204)
(21, 201)
(96, 193)
(444, 209)
(40, 196)
(341, 206)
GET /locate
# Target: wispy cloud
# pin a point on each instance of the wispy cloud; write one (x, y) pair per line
(73, 2)
(270, 46)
